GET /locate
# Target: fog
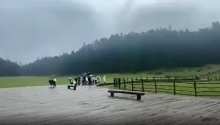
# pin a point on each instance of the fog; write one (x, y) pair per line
(38, 28)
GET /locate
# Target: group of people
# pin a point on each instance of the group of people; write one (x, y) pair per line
(53, 81)
(80, 80)
(86, 80)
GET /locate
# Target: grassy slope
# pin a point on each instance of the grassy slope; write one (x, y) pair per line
(7, 82)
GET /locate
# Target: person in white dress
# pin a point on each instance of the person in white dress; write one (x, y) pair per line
(86, 80)
(55, 81)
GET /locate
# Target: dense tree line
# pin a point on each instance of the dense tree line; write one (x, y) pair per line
(8, 68)
(132, 52)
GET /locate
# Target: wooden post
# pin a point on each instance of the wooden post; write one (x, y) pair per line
(124, 84)
(138, 97)
(142, 85)
(136, 80)
(114, 82)
(119, 83)
(155, 84)
(195, 88)
(132, 84)
(112, 94)
(174, 86)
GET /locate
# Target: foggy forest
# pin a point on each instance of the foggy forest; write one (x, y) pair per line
(132, 52)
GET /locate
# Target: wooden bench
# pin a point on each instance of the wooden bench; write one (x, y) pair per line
(71, 85)
(139, 94)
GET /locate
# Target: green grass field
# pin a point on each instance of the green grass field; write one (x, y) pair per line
(8, 82)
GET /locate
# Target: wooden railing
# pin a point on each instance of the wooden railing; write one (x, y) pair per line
(181, 86)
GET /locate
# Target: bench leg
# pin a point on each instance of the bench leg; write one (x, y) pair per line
(74, 87)
(68, 87)
(112, 94)
(138, 97)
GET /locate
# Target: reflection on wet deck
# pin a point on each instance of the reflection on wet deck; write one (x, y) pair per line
(93, 105)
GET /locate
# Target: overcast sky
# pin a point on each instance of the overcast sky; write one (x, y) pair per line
(38, 28)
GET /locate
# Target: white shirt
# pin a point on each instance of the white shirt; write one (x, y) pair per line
(55, 79)
(104, 78)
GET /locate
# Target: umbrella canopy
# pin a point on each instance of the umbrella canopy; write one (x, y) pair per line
(52, 76)
(84, 74)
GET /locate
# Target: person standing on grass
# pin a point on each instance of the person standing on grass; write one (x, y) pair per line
(104, 80)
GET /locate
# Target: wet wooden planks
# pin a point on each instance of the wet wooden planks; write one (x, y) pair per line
(93, 105)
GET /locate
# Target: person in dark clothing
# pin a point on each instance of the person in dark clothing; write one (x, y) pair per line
(76, 80)
(52, 82)
(90, 80)
(84, 80)
(71, 80)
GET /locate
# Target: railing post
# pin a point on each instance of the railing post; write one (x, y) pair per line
(117, 79)
(195, 88)
(114, 82)
(142, 85)
(155, 84)
(132, 84)
(119, 83)
(124, 84)
(174, 86)
(136, 80)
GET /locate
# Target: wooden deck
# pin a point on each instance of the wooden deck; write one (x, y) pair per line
(93, 105)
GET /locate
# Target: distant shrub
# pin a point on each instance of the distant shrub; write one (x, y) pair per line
(159, 73)
(209, 67)
(169, 70)
(199, 70)
(167, 76)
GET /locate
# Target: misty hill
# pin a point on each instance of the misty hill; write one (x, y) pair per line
(133, 52)
(8, 68)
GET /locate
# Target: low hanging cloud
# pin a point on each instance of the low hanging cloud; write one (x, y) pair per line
(38, 28)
